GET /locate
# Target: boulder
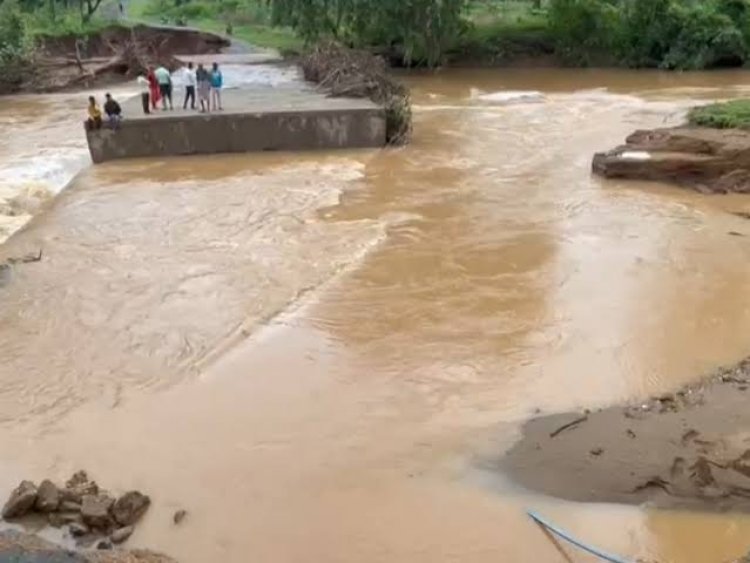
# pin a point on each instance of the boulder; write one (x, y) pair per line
(95, 511)
(60, 519)
(79, 478)
(21, 500)
(104, 544)
(70, 506)
(78, 486)
(122, 534)
(130, 507)
(179, 516)
(48, 497)
(78, 530)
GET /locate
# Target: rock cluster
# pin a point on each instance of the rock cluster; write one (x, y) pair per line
(90, 514)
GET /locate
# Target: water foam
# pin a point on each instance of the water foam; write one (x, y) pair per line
(508, 96)
(47, 150)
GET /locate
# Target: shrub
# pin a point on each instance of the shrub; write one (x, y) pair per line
(421, 29)
(706, 39)
(652, 33)
(584, 30)
(15, 46)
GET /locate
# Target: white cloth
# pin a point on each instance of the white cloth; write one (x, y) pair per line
(189, 77)
(143, 85)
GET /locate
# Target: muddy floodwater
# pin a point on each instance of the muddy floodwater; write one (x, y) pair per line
(320, 356)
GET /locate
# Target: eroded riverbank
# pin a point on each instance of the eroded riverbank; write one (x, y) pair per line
(687, 449)
(488, 276)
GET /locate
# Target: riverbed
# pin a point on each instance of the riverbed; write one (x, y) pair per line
(317, 354)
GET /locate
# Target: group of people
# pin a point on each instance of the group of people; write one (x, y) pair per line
(157, 85)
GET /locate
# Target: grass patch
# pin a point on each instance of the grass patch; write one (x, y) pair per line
(42, 23)
(727, 115)
(282, 39)
(498, 31)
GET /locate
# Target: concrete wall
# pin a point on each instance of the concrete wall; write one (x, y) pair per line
(239, 132)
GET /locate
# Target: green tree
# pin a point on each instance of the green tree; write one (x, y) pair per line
(422, 29)
(14, 45)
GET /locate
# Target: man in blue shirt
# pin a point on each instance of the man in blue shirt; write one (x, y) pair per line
(217, 82)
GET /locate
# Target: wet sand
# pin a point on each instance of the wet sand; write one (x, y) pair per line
(689, 449)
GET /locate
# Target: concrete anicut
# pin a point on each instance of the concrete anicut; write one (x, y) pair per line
(318, 124)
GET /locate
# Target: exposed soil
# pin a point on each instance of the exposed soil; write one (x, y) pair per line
(687, 449)
(705, 159)
(109, 40)
(19, 546)
(110, 56)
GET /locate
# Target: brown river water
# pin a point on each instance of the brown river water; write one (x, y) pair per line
(320, 356)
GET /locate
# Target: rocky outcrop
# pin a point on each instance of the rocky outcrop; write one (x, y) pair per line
(91, 517)
(705, 159)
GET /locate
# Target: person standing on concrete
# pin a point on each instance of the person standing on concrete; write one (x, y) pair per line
(217, 83)
(153, 87)
(204, 88)
(145, 93)
(190, 81)
(165, 86)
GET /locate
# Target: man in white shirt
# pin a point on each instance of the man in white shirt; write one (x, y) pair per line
(145, 95)
(189, 87)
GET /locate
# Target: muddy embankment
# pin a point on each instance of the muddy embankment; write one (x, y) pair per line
(112, 55)
(688, 449)
(701, 158)
(28, 548)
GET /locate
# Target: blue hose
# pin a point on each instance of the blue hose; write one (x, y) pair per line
(567, 537)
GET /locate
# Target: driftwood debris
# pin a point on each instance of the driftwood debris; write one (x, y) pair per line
(345, 72)
(26, 258)
(569, 425)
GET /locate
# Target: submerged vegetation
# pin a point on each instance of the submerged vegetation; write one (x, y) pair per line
(726, 115)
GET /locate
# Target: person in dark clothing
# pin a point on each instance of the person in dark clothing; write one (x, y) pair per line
(203, 78)
(113, 111)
